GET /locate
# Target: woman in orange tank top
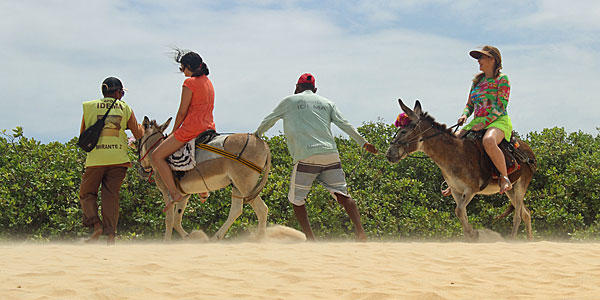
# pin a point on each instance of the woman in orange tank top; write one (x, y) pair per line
(195, 115)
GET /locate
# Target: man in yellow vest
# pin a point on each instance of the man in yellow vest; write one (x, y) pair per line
(107, 163)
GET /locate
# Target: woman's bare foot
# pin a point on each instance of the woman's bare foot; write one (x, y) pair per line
(504, 184)
(204, 196)
(447, 192)
(96, 234)
(172, 200)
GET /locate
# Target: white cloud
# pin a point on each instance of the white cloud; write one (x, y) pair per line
(56, 53)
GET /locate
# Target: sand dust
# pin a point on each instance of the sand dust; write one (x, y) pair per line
(283, 267)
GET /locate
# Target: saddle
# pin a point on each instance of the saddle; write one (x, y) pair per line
(206, 136)
(512, 156)
(184, 159)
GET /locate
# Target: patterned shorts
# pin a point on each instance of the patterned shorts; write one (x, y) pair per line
(326, 168)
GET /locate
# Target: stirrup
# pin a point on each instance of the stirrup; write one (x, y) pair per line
(443, 187)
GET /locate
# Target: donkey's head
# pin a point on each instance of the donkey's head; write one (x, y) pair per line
(408, 137)
(153, 135)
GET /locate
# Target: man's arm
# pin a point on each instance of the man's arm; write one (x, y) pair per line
(338, 119)
(271, 119)
(136, 129)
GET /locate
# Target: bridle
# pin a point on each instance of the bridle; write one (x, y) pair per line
(142, 157)
(416, 139)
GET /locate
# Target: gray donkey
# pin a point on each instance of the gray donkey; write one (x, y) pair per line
(213, 175)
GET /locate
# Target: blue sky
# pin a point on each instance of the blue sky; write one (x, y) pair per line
(364, 54)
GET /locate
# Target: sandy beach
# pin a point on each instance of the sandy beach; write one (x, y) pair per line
(300, 270)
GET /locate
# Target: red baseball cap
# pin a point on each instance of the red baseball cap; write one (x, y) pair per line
(306, 78)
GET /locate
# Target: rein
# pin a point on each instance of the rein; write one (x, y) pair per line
(147, 152)
(152, 147)
(417, 139)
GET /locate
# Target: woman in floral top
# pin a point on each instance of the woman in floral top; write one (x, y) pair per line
(488, 100)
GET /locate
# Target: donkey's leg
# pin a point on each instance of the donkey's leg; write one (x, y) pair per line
(169, 213)
(516, 199)
(516, 196)
(527, 219)
(234, 212)
(168, 220)
(261, 210)
(462, 200)
(179, 209)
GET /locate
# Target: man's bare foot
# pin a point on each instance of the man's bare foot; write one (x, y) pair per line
(504, 184)
(96, 234)
(111, 240)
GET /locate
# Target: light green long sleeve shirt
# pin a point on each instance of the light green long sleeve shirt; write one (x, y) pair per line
(307, 119)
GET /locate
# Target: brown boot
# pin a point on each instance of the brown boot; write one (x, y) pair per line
(96, 234)
(111, 240)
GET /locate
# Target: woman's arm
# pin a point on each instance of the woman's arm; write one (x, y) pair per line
(469, 106)
(186, 99)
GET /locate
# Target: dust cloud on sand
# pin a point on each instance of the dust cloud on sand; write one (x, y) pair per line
(284, 267)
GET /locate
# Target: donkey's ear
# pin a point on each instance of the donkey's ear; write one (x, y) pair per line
(146, 122)
(418, 111)
(411, 115)
(164, 125)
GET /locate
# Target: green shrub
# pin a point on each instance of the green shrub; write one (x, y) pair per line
(39, 185)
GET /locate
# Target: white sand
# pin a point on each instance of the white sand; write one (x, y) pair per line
(300, 270)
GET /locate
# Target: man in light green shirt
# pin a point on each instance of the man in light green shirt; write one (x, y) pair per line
(307, 119)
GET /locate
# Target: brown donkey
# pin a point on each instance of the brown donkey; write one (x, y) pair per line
(459, 160)
(213, 175)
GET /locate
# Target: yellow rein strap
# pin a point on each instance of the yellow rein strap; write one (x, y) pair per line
(231, 156)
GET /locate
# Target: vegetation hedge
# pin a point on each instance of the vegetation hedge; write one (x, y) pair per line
(39, 185)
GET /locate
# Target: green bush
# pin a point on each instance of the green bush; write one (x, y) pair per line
(39, 193)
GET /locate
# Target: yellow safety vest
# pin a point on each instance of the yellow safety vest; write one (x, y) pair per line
(112, 145)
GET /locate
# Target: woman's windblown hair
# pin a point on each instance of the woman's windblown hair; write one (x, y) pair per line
(192, 61)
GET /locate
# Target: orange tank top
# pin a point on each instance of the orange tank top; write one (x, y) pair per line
(199, 116)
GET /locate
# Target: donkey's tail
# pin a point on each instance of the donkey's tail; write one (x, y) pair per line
(265, 175)
(506, 212)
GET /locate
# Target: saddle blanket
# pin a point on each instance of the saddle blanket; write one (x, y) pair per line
(188, 156)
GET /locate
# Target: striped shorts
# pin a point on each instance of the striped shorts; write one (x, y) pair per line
(326, 168)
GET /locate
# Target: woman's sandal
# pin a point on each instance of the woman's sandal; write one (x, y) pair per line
(507, 186)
